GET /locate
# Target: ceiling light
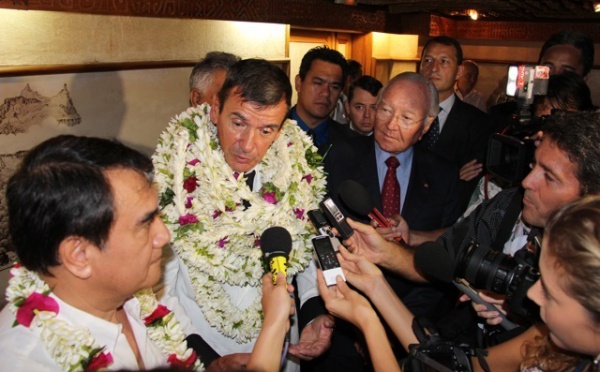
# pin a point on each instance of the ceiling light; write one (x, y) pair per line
(473, 14)
(597, 6)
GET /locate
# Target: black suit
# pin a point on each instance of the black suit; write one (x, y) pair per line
(464, 137)
(431, 202)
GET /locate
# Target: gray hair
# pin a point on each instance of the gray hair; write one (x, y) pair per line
(203, 72)
(428, 88)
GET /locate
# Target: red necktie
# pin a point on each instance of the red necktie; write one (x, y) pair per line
(390, 193)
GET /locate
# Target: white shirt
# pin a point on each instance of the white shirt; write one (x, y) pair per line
(21, 348)
(178, 284)
(446, 106)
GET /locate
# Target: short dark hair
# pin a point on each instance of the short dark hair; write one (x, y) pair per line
(326, 54)
(353, 68)
(61, 190)
(447, 41)
(204, 70)
(569, 92)
(258, 81)
(578, 135)
(576, 39)
(365, 82)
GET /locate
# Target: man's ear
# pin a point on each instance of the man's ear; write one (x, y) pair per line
(298, 83)
(426, 125)
(74, 255)
(215, 109)
(195, 97)
(347, 108)
(460, 72)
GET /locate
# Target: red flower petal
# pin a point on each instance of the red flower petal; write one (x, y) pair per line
(160, 312)
(175, 362)
(99, 361)
(36, 301)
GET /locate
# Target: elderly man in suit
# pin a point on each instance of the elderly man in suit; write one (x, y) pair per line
(400, 178)
(460, 132)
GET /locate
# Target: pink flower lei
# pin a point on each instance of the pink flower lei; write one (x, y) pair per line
(30, 301)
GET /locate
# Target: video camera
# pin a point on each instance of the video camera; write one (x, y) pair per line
(495, 271)
(509, 154)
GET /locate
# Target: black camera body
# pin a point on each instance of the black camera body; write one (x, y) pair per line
(495, 271)
(510, 153)
(435, 354)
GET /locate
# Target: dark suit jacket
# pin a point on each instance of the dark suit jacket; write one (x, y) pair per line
(431, 201)
(464, 137)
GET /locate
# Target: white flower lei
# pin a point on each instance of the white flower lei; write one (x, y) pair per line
(72, 347)
(220, 248)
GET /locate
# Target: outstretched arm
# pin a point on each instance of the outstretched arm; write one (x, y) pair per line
(396, 257)
(368, 278)
(277, 307)
(346, 303)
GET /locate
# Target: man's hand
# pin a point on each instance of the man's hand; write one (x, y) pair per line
(231, 362)
(491, 317)
(398, 228)
(315, 338)
(368, 242)
(360, 272)
(344, 302)
(470, 170)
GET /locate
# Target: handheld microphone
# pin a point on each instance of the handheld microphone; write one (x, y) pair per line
(357, 198)
(434, 261)
(276, 245)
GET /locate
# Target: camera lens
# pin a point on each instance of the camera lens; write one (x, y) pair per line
(487, 269)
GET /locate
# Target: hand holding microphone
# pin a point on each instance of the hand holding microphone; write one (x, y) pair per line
(276, 245)
(357, 198)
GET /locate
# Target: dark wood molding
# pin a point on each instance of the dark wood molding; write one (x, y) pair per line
(315, 14)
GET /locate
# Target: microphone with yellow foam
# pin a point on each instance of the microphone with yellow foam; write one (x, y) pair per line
(276, 245)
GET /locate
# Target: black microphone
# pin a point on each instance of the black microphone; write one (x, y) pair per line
(276, 245)
(435, 261)
(357, 198)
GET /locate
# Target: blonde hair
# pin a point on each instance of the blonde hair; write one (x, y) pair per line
(572, 235)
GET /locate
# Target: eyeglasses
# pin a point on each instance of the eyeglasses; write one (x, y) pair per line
(386, 113)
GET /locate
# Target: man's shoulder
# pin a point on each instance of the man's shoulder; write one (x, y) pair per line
(468, 110)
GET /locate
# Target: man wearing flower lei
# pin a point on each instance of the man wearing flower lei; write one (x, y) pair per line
(226, 173)
(85, 224)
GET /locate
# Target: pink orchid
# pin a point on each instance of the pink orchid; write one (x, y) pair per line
(222, 242)
(299, 213)
(187, 219)
(193, 162)
(308, 178)
(35, 303)
(190, 184)
(270, 197)
(188, 202)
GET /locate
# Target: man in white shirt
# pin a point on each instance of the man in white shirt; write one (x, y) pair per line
(465, 85)
(85, 224)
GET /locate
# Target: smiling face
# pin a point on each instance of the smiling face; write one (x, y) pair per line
(246, 130)
(131, 257)
(571, 325)
(440, 66)
(318, 92)
(551, 184)
(401, 116)
(361, 110)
